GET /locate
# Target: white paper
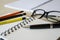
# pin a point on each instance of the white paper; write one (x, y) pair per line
(25, 4)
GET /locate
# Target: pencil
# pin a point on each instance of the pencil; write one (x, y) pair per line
(12, 20)
(19, 15)
(10, 15)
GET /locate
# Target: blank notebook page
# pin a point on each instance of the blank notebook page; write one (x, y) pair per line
(25, 4)
(34, 34)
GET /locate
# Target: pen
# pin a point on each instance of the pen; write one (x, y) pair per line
(2, 19)
(43, 26)
(12, 20)
(12, 14)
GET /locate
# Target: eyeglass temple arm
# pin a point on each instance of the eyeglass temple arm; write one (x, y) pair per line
(54, 11)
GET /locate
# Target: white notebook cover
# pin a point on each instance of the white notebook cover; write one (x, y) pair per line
(26, 4)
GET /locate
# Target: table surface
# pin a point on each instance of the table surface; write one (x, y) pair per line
(4, 10)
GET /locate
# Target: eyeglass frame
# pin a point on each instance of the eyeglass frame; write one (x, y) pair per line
(44, 14)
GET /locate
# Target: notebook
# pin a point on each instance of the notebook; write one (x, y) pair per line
(17, 32)
(26, 4)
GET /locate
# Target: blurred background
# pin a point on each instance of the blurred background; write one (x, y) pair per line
(4, 10)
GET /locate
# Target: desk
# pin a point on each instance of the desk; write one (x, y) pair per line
(38, 34)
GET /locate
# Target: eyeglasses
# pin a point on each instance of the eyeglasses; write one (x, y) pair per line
(52, 16)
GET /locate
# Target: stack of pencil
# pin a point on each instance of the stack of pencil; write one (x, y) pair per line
(12, 17)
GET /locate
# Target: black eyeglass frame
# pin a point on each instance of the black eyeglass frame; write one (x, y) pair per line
(46, 14)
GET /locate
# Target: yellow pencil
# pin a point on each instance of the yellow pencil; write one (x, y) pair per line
(12, 20)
